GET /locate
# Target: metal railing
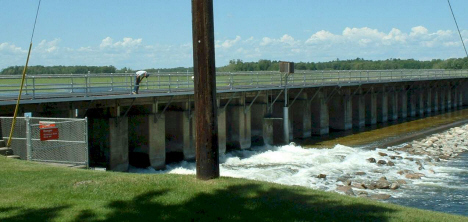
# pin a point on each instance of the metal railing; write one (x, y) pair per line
(75, 85)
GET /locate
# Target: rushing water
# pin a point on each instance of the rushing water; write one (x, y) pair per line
(443, 188)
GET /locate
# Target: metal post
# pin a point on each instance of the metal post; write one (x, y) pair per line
(207, 151)
(28, 139)
(86, 141)
(34, 87)
(86, 85)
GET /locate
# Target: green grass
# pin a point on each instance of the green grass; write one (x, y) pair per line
(35, 192)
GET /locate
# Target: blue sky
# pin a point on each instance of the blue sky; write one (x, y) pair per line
(157, 34)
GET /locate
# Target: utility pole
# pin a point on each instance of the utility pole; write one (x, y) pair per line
(207, 152)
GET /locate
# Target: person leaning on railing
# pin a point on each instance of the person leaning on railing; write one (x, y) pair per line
(139, 76)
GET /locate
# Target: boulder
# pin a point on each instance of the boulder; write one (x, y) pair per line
(382, 162)
(360, 173)
(371, 160)
(390, 163)
(346, 189)
(322, 176)
(394, 186)
(383, 154)
(380, 196)
(413, 176)
(401, 182)
(359, 186)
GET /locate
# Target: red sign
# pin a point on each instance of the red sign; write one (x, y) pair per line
(46, 124)
(49, 134)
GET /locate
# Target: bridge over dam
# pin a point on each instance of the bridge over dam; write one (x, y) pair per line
(253, 107)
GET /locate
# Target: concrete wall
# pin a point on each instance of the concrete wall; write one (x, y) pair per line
(341, 116)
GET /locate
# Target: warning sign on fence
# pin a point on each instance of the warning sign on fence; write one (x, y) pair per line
(49, 134)
(46, 124)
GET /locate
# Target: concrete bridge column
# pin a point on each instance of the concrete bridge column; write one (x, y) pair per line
(359, 112)
(412, 99)
(393, 105)
(454, 98)
(320, 114)
(258, 112)
(402, 102)
(118, 144)
(442, 101)
(382, 106)
(419, 102)
(157, 140)
(435, 99)
(221, 131)
(448, 94)
(460, 96)
(371, 107)
(238, 123)
(341, 117)
(427, 100)
(180, 133)
(301, 119)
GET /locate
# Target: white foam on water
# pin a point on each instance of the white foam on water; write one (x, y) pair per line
(294, 165)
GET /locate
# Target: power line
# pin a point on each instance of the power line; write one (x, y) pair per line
(454, 19)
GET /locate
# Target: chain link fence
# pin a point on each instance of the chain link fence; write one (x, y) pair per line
(56, 140)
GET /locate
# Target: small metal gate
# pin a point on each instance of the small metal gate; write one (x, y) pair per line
(57, 140)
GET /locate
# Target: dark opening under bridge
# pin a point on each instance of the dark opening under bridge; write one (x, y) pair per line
(253, 107)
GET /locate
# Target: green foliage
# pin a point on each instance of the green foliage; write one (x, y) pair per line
(37, 70)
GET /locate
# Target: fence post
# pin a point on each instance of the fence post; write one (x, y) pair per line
(86, 141)
(86, 85)
(34, 87)
(28, 139)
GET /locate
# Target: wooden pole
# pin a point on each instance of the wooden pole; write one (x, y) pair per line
(207, 153)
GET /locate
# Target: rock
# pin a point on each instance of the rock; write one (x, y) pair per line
(322, 176)
(413, 176)
(383, 154)
(390, 163)
(382, 184)
(346, 189)
(401, 172)
(401, 182)
(408, 146)
(360, 173)
(347, 183)
(380, 196)
(437, 159)
(409, 158)
(382, 162)
(359, 186)
(392, 157)
(362, 193)
(394, 186)
(371, 160)
(343, 178)
(383, 178)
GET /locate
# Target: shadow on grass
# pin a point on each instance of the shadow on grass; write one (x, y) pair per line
(43, 214)
(239, 203)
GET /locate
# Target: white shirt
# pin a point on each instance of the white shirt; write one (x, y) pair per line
(139, 73)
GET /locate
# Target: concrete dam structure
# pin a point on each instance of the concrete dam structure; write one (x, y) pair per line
(253, 108)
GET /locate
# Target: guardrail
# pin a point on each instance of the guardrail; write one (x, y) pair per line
(84, 85)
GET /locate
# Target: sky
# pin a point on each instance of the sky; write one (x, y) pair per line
(158, 33)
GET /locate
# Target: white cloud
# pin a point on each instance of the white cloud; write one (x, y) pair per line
(352, 42)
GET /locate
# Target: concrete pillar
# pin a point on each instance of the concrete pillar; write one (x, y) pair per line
(428, 100)
(118, 142)
(258, 111)
(442, 101)
(157, 141)
(341, 117)
(393, 105)
(238, 131)
(371, 107)
(359, 112)
(320, 115)
(403, 103)
(412, 99)
(419, 102)
(435, 99)
(454, 98)
(301, 119)
(448, 97)
(460, 97)
(268, 130)
(180, 134)
(189, 135)
(382, 106)
(286, 125)
(221, 132)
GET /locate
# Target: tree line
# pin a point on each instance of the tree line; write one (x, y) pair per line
(261, 65)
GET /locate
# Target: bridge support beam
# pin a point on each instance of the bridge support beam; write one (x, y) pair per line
(393, 105)
(157, 141)
(412, 100)
(460, 96)
(180, 134)
(403, 103)
(435, 99)
(118, 144)
(454, 98)
(371, 107)
(258, 112)
(359, 112)
(382, 106)
(442, 100)
(301, 119)
(221, 131)
(427, 100)
(238, 123)
(320, 114)
(448, 94)
(341, 116)
(419, 101)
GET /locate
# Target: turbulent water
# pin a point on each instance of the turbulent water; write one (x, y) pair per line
(444, 187)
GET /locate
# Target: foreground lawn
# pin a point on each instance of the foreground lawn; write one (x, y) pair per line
(35, 192)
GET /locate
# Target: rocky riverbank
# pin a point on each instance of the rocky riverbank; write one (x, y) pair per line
(419, 156)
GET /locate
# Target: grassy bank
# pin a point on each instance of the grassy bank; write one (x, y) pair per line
(35, 192)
